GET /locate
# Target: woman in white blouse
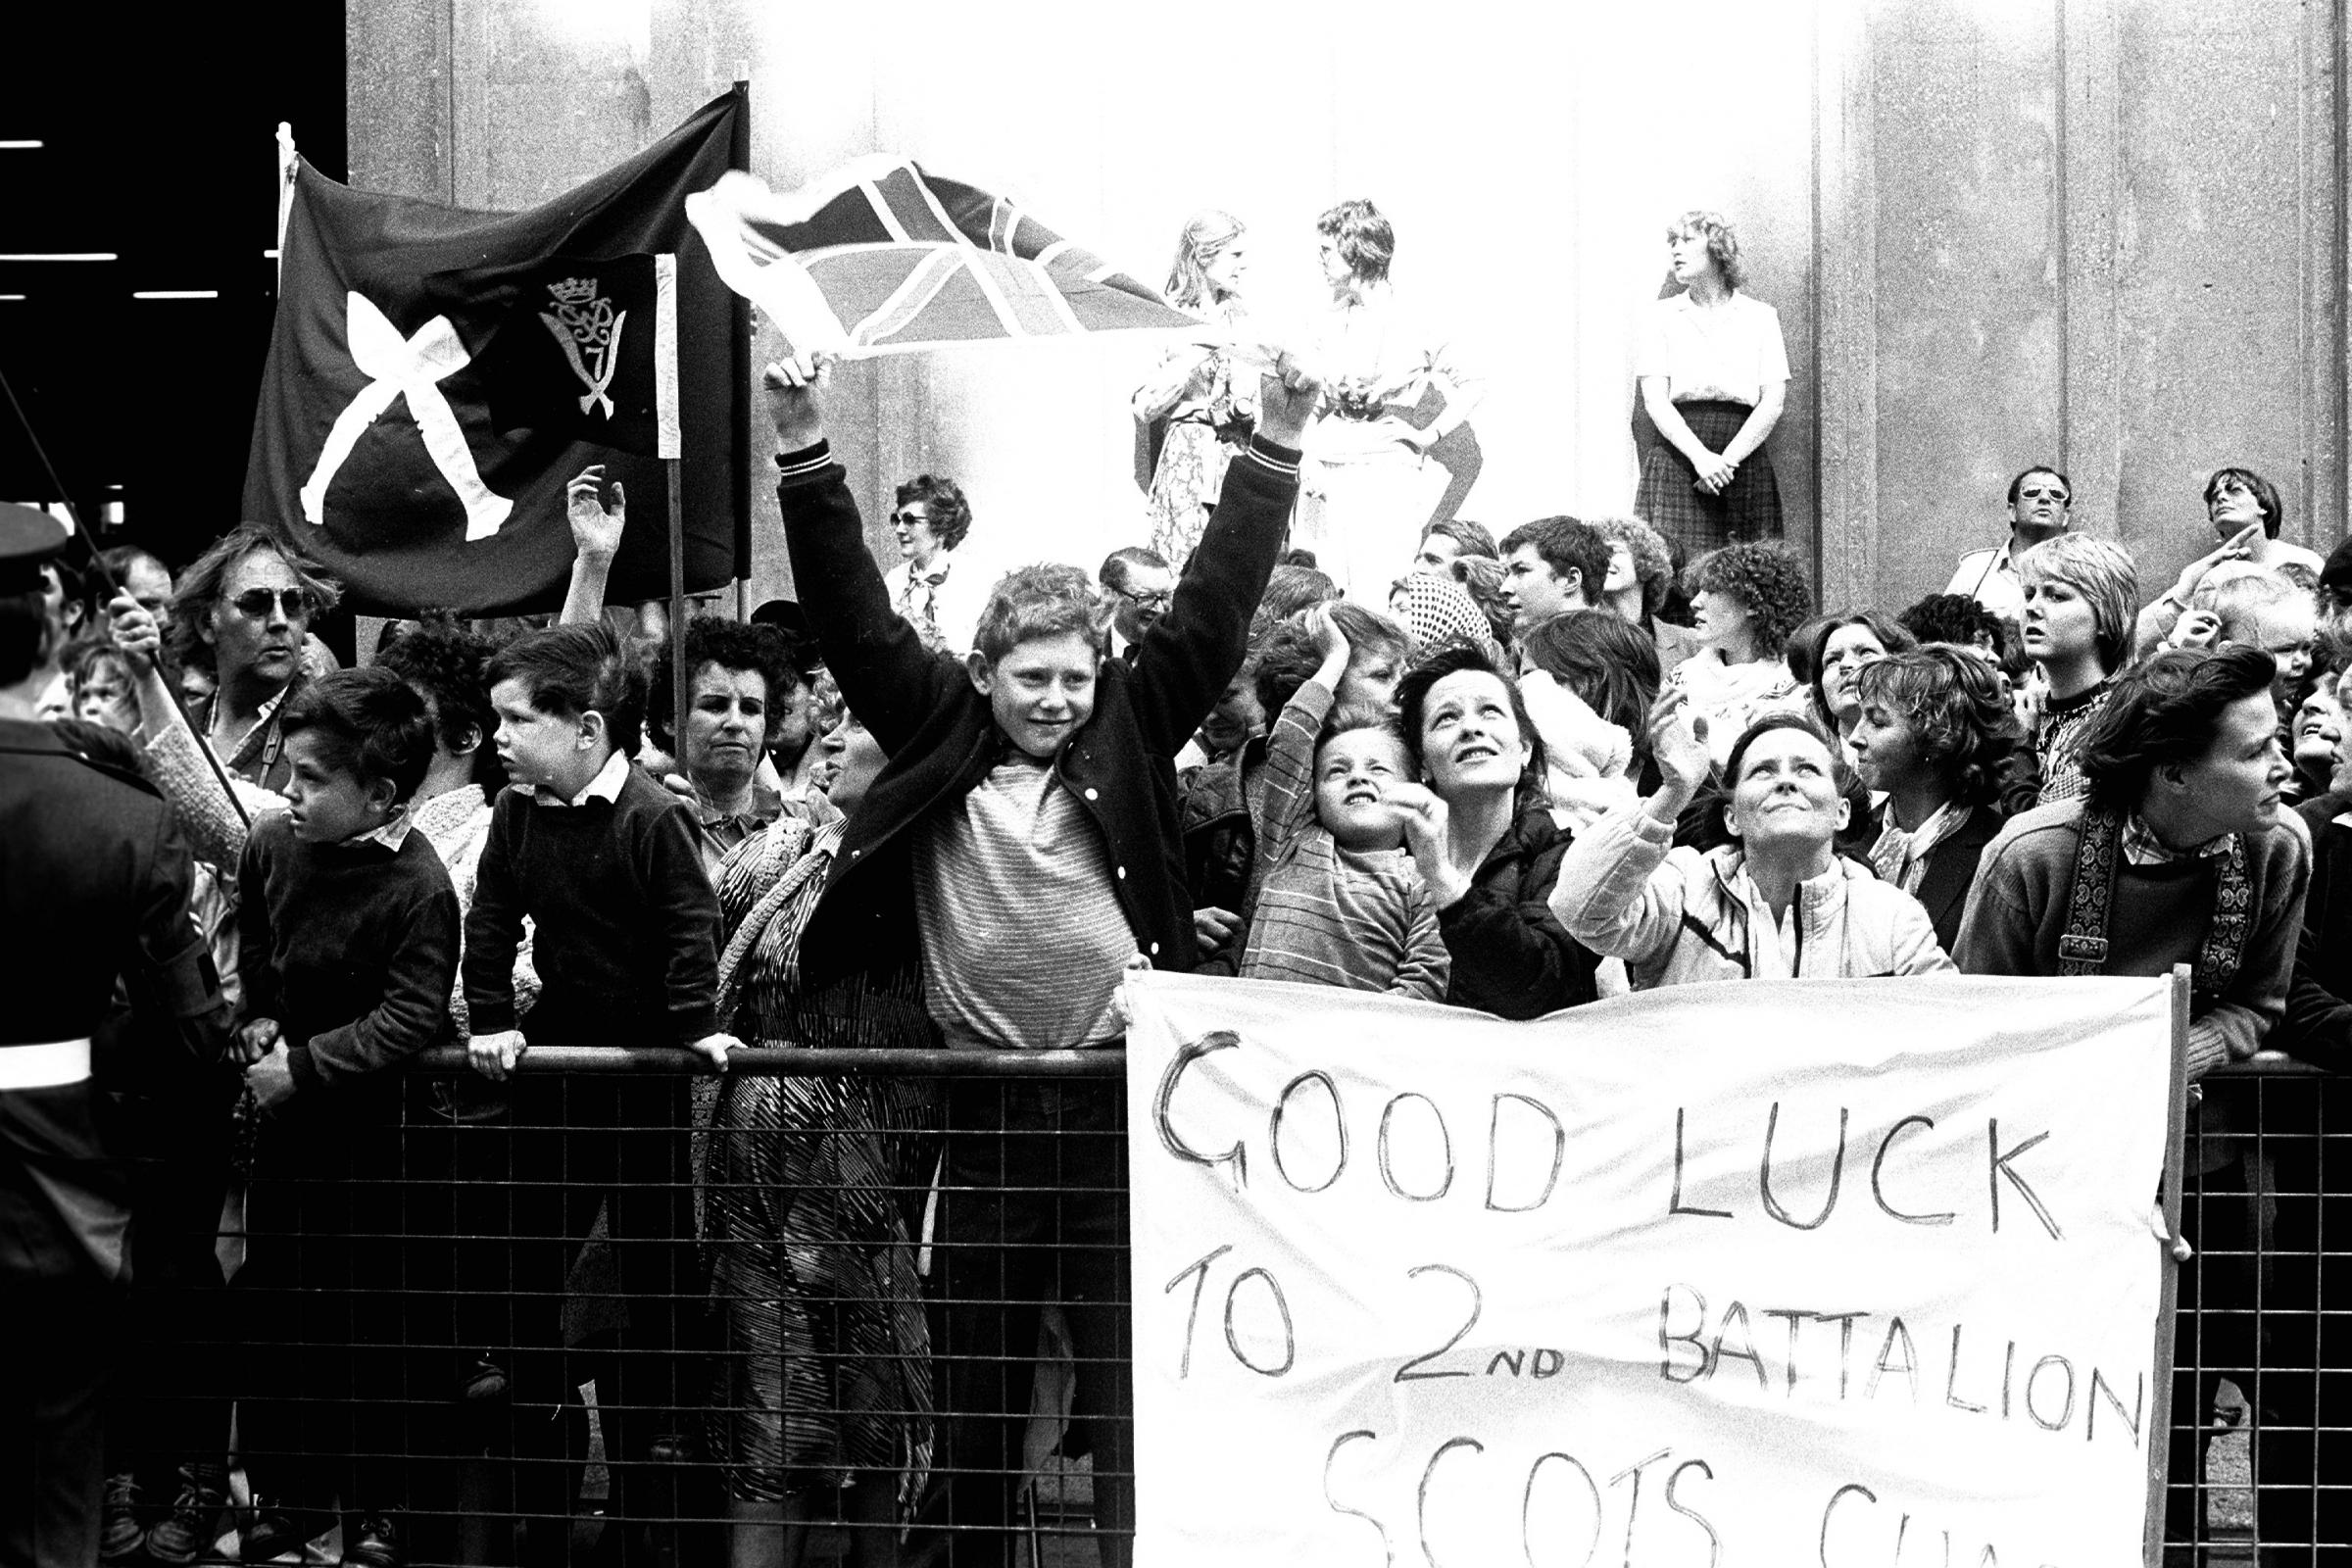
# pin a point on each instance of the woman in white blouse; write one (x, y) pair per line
(1713, 372)
(1393, 388)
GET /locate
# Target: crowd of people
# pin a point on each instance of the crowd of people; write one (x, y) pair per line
(1514, 774)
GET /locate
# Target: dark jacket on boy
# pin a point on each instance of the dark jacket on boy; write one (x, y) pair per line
(942, 737)
(351, 947)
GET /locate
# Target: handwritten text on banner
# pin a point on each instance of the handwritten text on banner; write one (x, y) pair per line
(1760, 1273)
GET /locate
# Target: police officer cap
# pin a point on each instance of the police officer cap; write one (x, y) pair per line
(29, 540)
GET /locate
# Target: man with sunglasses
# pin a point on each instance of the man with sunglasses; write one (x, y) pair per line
(2040, 503)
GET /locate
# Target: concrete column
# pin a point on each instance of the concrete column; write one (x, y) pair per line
(1845, 282)
(2089, 138)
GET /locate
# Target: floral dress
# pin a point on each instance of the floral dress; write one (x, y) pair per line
(812, 1196)
(1210, 404)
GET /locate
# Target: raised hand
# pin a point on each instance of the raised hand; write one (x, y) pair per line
(791, 401)
(594, 527)
(1427, 819)
(136, 636)
(1287, 399)
(1679, 742)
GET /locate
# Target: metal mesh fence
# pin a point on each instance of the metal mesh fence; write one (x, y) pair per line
(869, 1306)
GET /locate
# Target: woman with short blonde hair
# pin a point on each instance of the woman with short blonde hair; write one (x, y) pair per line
(1713, 372)
(2081, 598)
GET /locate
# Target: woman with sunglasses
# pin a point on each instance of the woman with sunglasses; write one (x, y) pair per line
(939, 592)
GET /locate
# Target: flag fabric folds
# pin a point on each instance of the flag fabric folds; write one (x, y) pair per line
(436, 375)
(902, 260)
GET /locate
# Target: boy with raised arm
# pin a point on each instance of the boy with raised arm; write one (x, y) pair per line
(1021, 848)
(1339, 902)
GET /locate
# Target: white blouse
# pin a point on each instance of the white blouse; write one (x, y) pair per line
(1727, 353)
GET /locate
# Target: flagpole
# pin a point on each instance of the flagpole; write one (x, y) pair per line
(681, 678)
(670, 446)
(739, 319)
(285, 189)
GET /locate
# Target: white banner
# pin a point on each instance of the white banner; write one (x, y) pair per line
(1841, 1273)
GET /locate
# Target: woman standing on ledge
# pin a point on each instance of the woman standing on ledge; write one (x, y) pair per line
(1394, 387)
(1713, 372)
(1208, 399)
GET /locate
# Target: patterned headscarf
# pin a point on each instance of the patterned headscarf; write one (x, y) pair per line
(1438, 609)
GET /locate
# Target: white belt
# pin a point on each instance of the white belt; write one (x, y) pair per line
(64, 1061)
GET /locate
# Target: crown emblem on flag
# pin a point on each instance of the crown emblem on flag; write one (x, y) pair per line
(588, 331)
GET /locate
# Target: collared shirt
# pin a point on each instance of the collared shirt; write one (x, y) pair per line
(392, 833)
(2141, 846)
(1990, 578)
(604, 787)
(723, 831)
(945, 600)
(1727, 353)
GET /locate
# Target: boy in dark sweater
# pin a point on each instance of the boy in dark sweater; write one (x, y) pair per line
(604, 861)
(1021, 848)
(349, 947)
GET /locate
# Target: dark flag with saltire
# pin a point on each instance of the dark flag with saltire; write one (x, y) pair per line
(436, 375)
(902, 259)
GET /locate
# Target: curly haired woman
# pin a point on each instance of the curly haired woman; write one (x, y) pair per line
(1746, 598)
(1934, 733)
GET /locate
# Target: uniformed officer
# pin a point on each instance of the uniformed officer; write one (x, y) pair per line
(93, 889)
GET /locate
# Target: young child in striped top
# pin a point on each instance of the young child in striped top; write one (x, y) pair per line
(1339, 902)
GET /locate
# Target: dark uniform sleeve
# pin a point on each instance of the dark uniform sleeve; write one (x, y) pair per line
(173, 987)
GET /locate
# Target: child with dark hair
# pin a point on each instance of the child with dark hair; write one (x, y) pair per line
(1339, 902)
(347, 947)
(1958, 619)
(603, 859)
(1220, 807)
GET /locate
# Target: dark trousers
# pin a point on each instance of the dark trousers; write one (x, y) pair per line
(1033, 1210)
(527, 1194)
(320, 1303)
(52, 1445)
(169, 1402)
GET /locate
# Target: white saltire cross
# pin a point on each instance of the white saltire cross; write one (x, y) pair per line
(412, 367)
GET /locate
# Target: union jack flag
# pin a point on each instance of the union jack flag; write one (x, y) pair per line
(902, 259)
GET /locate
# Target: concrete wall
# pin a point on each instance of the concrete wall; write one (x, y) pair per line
(2108, 232)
